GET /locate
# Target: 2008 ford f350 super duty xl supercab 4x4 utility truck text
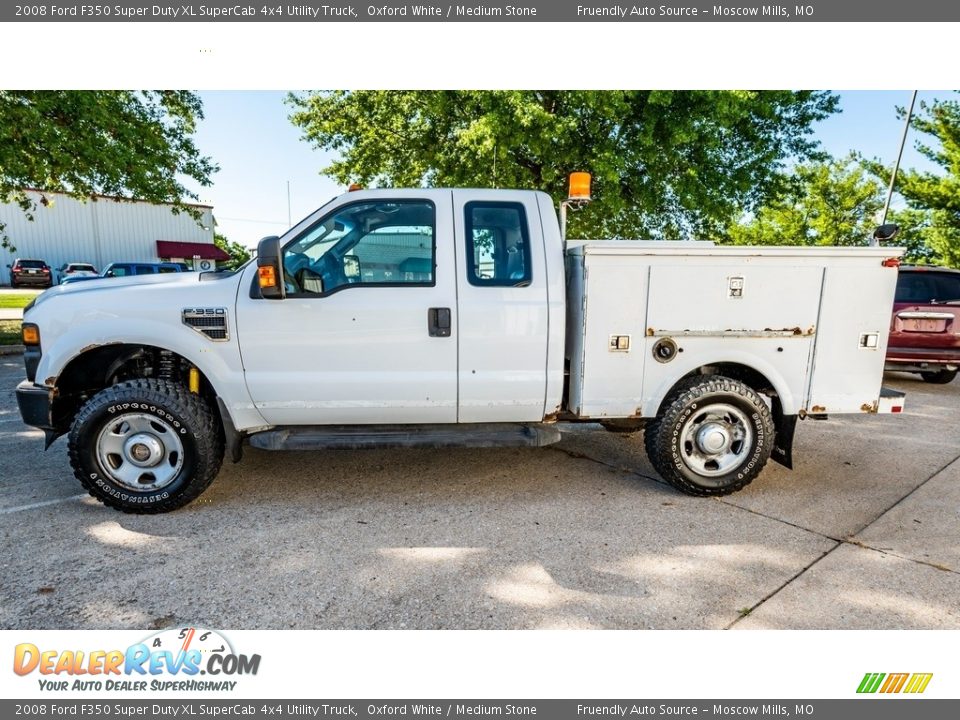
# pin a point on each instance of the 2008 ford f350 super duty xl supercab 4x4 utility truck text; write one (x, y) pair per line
(400, 318)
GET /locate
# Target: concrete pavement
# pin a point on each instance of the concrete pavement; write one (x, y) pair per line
(579, 535)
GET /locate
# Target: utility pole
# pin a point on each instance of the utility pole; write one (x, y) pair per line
(896, 167)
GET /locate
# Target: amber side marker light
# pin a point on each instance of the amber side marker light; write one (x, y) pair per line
(267, 276)
(30, 334)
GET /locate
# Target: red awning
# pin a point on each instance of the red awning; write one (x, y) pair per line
(206, 251)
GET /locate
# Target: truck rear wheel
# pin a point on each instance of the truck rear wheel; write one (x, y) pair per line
(712, 437)
(145, 446)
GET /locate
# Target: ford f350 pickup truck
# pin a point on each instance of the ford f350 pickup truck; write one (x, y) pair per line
(440, 318)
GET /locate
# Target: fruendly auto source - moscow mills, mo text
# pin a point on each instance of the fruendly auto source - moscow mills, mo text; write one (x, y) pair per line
(625, 12)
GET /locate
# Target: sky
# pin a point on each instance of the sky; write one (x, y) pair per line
(260, 152)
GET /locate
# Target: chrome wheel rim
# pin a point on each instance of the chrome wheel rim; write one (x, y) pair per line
(140, 452)
(716, 439)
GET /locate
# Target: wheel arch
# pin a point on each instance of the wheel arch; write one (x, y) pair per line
(761, 377)
(97, 367)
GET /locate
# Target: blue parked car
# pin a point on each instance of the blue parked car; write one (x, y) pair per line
(124, 269)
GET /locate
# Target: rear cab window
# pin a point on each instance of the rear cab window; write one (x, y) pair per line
(498, 244)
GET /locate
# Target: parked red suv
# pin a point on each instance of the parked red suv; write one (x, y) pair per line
(30, 272)
(925, 328)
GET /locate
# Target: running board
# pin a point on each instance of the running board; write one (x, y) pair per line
(359, 437)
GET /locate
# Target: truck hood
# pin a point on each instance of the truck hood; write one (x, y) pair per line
(113, 287)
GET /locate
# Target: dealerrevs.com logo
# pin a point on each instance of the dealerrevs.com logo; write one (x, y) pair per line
(885, 683)
(169, 660)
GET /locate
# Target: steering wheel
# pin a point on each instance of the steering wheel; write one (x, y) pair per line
(331, 270)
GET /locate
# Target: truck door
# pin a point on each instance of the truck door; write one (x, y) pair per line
(368, 331)
(502, 307)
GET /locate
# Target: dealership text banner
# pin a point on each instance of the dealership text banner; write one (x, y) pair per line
(539, 11)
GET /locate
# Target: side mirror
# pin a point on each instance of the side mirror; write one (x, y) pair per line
(351, 267)
(108, 273)
(886, 233)
(270, 269)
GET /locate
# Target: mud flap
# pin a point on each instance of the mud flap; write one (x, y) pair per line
(786, 425)
(232, 437)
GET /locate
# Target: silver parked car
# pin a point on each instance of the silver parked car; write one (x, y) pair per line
(76, 269)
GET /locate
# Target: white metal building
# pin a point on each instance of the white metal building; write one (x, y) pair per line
(103, 230)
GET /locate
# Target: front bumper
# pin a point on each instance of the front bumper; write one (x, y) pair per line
(34, 403)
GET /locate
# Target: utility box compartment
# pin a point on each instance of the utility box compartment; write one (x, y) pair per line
(641, 316)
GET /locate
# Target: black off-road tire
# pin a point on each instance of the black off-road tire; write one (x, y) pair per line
(939, 377)
(692, 398)
(191, 417)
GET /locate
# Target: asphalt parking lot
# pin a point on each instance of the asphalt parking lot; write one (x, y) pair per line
(865, 533)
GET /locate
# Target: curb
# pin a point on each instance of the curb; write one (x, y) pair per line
(11, 349)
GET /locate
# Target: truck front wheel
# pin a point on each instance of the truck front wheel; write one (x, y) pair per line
(712, 437)
(145, 446)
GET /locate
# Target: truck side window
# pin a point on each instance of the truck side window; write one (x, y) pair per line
(390, 242)
(498, 244)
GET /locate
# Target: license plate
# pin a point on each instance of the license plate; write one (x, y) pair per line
(927, 325)
(32, 272)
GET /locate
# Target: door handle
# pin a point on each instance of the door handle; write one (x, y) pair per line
(438, 322)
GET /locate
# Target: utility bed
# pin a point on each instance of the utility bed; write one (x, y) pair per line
(811, 321)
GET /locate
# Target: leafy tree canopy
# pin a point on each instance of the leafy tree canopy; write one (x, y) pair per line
(665, 164)
(934, 197)
(237, 252)
(829, 203)
(122, 143)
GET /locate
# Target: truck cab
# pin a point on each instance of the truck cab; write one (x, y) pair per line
(414, 306)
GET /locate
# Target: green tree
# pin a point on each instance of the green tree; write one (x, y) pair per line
(914, 228)
(237, 252)
(935, 197)
(122, 143)
(828, 203)
(665, 164)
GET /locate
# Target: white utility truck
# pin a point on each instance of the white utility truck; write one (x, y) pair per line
(450, 318)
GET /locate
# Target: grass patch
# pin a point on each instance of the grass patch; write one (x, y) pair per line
(15, 299)
(9, 332)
